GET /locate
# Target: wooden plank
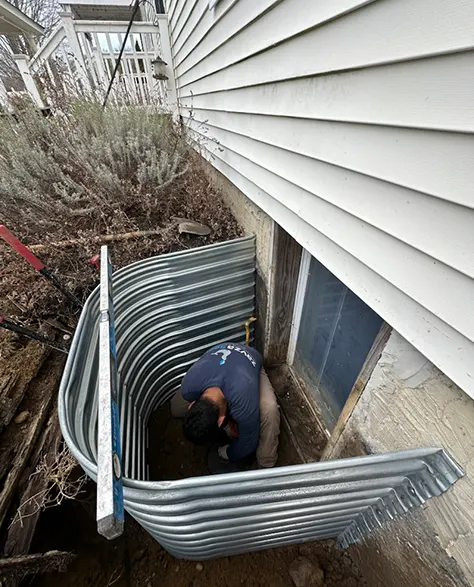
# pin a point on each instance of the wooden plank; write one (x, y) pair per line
(167, 56)
(114, 26)
(84, 43)
(437, 340)
(14, 385)
(102, 72)
(394, 95)
(357, 390)
(41, 393)
(286, 260)
(20, 532)
(48, 47)
(300, 416)
(409, 269)
(31, 564)
(439, 164)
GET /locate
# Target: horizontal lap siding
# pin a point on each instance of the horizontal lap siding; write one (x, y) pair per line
(350, 123)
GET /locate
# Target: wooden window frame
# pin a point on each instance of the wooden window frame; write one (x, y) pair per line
(365, 373)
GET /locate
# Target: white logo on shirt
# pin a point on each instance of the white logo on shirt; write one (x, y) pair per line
(224, 353)
(232, 347)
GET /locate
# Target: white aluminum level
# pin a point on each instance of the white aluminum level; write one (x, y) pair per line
(169, 310)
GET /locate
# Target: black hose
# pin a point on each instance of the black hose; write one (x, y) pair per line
(4, 323)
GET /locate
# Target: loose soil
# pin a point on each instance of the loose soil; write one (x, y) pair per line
(171, 457)
(137, 560)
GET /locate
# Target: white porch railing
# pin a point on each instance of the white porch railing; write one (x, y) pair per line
(79, 56)
(4, 101)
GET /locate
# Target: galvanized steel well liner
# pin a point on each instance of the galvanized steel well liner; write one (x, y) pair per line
(169, 310)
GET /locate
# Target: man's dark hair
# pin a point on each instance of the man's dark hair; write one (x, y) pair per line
(200, 424)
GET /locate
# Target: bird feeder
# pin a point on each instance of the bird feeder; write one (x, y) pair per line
(159, 68)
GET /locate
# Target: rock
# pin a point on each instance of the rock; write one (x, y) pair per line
(350, 582)
(22, 417)
(199, 567)
(306, 549)
(139, 554)
(346, 561)
(305, 573)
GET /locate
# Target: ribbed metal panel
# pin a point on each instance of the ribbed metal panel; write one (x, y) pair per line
(169, 310)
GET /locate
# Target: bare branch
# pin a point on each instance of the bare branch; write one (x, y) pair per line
(46, 13)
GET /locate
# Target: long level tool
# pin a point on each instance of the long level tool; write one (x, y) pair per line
(25, 252)
(110, 510)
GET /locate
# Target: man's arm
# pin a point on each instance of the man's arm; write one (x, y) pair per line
(247, 441)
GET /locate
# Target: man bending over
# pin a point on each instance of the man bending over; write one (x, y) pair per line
(228, 390)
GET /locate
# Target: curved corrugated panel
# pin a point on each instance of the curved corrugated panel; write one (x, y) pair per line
(169, 310)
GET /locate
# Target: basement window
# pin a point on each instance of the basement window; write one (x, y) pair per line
(332, 336)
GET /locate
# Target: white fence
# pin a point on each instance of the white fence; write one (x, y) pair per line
(80, 56)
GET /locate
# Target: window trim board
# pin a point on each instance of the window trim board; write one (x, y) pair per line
(298, 307)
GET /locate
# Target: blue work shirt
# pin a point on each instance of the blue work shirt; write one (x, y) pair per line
(235, 369)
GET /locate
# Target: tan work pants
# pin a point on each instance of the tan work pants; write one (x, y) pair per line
(267, 450)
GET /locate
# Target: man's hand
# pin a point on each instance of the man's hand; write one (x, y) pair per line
(222, 452)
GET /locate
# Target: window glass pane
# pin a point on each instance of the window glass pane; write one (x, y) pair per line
(336, 333)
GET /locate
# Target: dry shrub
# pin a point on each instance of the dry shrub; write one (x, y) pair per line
(60, 485)
(83, 173)
(87, 168)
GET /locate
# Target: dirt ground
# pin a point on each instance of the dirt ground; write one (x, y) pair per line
(29, 300)
(137, 560)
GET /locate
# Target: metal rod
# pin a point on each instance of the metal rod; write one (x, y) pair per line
(13, 327)
(122, 49)
(59, 286)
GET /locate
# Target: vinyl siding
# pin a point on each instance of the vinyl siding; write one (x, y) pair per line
(350, 123)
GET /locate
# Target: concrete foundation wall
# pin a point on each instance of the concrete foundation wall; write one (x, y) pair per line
(409, 403)
(253, 220)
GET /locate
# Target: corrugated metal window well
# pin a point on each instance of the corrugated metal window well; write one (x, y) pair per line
(169, 310)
